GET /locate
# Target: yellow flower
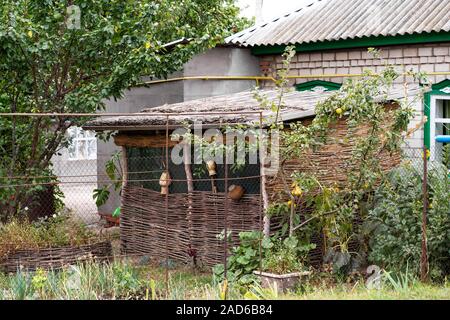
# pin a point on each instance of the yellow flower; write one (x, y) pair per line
(147, 45)
(297, 192)
(39, 279)
(30, 34)
(339, 111)
(428, 153)
(290, 203)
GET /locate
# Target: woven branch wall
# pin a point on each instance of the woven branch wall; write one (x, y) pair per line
(188, 227)
(55, 258)
(330, 163)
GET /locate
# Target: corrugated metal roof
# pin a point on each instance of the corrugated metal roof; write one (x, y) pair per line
(333, 20)
(226, 108)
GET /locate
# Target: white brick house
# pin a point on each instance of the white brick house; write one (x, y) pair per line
(332, 38)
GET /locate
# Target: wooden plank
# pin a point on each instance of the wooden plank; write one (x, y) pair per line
(142, 141)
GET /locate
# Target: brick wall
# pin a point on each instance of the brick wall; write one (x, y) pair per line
(424, 57)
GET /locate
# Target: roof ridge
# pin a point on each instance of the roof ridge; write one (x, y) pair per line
(290, 12)
(265, 23)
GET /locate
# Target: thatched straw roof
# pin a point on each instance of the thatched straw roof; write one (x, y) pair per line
(240, 108)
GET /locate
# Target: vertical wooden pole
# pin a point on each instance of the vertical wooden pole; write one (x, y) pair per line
(262, 158)
(167, 212)
(225, 256)
(424, 257)
(261, 187)
(190, 189)
(225, 245)
(124, 184)
(187, 166)
(124, 168)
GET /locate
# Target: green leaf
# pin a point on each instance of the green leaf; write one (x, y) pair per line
(101, 196)
(291, 242)
(267, 243)
(116, 213)
(243, 260)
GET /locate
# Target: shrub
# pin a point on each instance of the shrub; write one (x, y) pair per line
(277, 255)
(397, 217)
(243, 261)
(286, 256)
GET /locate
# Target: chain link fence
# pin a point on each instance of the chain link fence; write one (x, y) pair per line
(77, 180)
(72, 184)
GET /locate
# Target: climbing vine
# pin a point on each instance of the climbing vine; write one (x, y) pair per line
(375, 129)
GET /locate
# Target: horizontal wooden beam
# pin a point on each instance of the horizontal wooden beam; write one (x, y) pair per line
(142, 141)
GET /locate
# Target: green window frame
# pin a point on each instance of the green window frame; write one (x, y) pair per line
(441, 89)
(318, 86)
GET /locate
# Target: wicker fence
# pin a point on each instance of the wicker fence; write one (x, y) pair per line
(188, 227)
(55, 258)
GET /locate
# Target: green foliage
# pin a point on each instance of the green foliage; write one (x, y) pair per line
(49, 67)
(121, 280)
(361, 104)
(243, 261)
(399, 281)
(331, 209)
(277, 209)
(113, 169)
(358, 103)
(101, 195)
(19, 286)
(125, 278)
(212, 146)
(446, 155)
(281, 86)
(257, 292)
(286, 256)
(83, 281)
(277, 255)
(397, 217)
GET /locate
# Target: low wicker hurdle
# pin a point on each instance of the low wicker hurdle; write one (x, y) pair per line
(55, 258)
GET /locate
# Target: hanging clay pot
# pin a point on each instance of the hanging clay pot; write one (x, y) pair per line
(165, 182)
(211, 166)
(235, 192)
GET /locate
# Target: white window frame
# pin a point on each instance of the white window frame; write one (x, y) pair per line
(434, 121)
(74, 142)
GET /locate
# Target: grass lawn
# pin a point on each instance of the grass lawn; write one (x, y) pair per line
(416, 291)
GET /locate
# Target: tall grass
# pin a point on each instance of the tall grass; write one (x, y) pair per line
(400, 281)
(121, 280)
(90, 281)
